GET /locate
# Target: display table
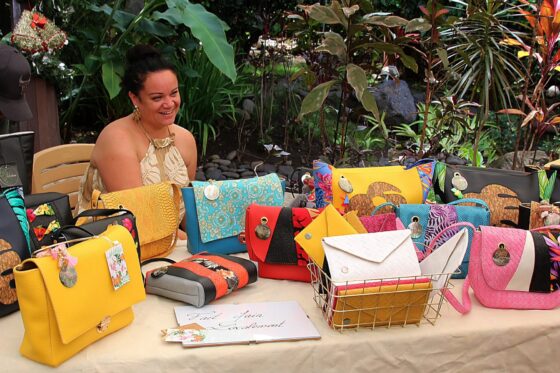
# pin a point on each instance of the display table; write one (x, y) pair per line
(484, 340)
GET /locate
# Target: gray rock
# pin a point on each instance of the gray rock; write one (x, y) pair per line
(231, 175)
(395, 99)
(210, 165)
(223, 162)
(224, 168)
(200, 175)
(285, 170)
(247, 174)
(454, 160)
(506, 161)
(214, 173)
(267, 168)
(214, 157)
(244, 166)
(231, 155)
(255, 164)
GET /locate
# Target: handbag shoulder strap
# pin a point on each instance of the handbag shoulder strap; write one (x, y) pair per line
(466, 305)
(377, 208)
(470, 200)
(95, 197)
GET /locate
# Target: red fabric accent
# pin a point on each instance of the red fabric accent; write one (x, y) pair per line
(238, 269)
(256, 247)
(284, 272)
(218, 280)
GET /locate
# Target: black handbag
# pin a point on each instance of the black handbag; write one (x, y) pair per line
(502, 190)
(14, 245)
(46, 212)
(17, 149)
(98, 221)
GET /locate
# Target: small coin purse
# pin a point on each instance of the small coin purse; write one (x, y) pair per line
(201, 278)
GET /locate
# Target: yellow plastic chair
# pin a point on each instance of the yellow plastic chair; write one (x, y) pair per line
(60, 168)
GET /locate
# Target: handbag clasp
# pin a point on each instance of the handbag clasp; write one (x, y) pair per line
(103, 324)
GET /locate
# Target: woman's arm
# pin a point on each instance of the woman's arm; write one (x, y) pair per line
(116, 158)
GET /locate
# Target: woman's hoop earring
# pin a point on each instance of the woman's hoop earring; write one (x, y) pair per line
(136, 114)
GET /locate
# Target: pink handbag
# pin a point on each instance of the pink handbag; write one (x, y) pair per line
(511, 269)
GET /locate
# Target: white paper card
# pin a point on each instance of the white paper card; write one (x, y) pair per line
(246, 323)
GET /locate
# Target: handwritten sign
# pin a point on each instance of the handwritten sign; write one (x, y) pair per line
(242, 323)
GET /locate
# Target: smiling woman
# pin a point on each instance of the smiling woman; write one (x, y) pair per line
(146, 146)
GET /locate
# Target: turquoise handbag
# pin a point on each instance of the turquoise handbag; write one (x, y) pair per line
(427, 221)
(215, 211)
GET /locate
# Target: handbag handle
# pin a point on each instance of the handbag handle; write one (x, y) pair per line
(470, 200)
(546, 228)
(385, 204)
(431, 247)
(464, 307)
(96, 213)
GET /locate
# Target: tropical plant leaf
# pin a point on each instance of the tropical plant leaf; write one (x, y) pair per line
(111, 74)
(321, 13)
(442, 54)
(418, 24)
(207, 28)
(386, 21)
(440, 175)
(546, 192)
(511, 111)
(333, 43)
(314, 99)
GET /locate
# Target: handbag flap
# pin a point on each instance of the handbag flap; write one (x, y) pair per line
(284, 223)
(155, 206)
(374, 247)
(506, 253)
(224, 216)
(92, 299)
(365, 188)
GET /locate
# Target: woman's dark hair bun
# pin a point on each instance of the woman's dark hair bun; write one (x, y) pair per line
(140, 52)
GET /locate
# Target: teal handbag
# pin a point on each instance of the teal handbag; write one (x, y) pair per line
(427, 221)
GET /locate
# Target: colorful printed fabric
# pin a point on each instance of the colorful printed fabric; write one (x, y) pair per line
(44, 209)
(225, 216)
(380, 222)
(440, 217)
(554, 249)
(322, 175)
(426, 173)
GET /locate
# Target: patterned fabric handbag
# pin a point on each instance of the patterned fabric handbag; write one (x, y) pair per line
(47, 213)
(270, 232)
(216, 211)
(14, 245)
(426, 221)
(502, 190)
(513, 269)
(362, 189)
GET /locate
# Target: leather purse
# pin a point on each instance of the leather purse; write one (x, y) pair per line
(502, 190)
(17, 149)
(512, 269)
(426, 221)
(46, 213)
(14, 245)
(216, 211)
(200, 279)
(362, 189)
(65, 310)
(156, 208)
(269, 234)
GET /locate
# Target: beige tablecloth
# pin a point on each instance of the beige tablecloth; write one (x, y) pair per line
(484, 340)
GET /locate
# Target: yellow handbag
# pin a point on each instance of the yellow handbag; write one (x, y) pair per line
(156, 208)
(362, 189)
(329, 223)
(60, 319)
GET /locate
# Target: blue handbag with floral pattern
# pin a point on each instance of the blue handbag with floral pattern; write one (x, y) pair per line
(216, 211)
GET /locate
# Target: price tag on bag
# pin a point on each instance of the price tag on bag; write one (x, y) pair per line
(117, 266)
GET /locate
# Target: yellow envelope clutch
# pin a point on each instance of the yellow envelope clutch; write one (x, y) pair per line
(328, 223)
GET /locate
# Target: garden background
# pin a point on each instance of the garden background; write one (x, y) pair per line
(355, 82)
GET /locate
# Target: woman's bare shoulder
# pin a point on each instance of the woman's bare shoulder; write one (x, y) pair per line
(182, 133)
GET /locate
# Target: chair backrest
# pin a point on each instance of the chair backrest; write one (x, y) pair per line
(60, 169)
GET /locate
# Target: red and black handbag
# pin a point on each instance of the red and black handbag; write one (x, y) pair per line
(269, 234)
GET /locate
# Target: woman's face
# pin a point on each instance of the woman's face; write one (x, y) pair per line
(159, 100)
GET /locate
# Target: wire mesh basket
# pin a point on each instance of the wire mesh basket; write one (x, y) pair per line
(378, 302)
